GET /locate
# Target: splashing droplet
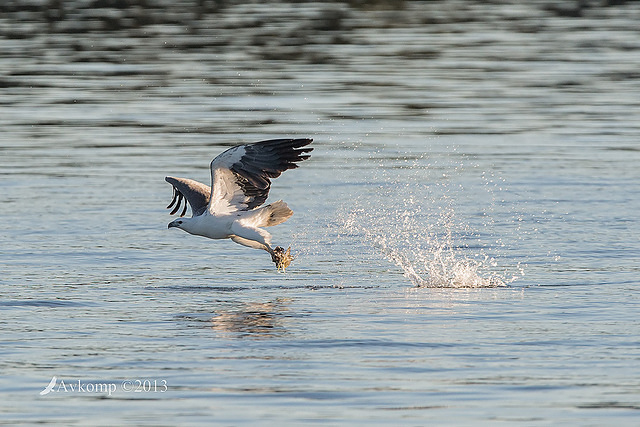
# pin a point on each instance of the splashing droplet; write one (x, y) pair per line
(414, 226)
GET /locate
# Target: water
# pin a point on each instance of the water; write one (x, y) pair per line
(465, 231)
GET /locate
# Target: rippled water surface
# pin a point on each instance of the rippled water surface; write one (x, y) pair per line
(465, 231)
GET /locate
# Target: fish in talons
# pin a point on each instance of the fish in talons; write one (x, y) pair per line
(281, 258)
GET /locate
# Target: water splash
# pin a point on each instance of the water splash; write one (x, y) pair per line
(440, 267)
(415, 226)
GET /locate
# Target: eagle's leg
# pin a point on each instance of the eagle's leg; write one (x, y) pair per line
(260, 239)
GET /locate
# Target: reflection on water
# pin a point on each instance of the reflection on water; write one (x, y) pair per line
(261, 319)
(251, 319)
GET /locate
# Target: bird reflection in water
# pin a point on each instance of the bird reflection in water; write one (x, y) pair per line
(254, 318)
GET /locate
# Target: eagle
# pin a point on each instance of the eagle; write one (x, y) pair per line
(232, 208)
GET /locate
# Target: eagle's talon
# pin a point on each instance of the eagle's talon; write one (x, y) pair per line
(282, 258)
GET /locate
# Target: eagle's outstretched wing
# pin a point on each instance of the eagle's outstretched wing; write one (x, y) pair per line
(241, 176)
(196, 193)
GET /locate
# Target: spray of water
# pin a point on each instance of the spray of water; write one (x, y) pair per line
(414, 225)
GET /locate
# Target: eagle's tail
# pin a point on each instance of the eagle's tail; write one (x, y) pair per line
(273, 214)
